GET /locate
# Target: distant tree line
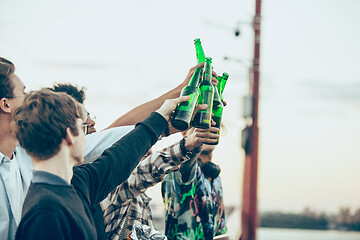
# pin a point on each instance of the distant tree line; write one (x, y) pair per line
(344, 220)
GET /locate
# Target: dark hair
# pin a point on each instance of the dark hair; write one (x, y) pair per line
(72, 90)
(210, 170)
(7, 68)
(42, 120)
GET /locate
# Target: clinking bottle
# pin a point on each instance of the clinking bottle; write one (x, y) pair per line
(221, 84)
(218, 108)
(203, 117)
(200, 55)
(184, 111)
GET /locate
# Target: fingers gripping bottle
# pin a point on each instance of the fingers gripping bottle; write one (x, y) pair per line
(184, 111)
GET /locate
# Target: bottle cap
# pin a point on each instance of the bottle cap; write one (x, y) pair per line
(197, 40)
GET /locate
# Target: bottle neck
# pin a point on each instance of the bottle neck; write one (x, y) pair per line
(207, 71)
(200, 55)
(194, 81)
(221, 85)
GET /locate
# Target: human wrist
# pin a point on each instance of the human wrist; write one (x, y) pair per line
(188, 150)
(184, 150)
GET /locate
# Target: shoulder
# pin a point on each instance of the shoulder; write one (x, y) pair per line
(44, 198)
(115, 133)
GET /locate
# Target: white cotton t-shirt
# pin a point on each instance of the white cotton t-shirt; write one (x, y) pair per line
(98, 142)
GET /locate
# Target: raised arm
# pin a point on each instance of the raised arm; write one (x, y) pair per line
(116, 164)
(154, 168)
(141, 112)
(185, 168)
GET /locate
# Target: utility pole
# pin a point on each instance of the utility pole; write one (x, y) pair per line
(249, 205)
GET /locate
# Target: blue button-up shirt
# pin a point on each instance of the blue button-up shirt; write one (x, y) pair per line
(9, 204)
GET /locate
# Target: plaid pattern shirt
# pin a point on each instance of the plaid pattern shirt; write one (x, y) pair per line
(128, 202)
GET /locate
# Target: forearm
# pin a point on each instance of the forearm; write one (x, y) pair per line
(186, 167)
(148, 173)
(116, 163)
(141, 112)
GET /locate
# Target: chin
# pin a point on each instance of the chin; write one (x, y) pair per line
(92, 130)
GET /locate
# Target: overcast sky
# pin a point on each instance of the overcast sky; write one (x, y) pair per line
(127, 53)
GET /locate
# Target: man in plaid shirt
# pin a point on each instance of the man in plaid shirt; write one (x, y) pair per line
(129, 203)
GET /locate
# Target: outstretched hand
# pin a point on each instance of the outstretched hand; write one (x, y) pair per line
(169, 106)
(200, 136)
(199, 107)
(190, 73)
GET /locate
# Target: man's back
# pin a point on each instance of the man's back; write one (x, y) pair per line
(54, 205)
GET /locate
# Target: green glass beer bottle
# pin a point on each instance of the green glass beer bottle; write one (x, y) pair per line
(217, 99)
(184, 111)
(221, 84)
(203, 118)
(217, 111)
(218, 108)
(200, 55)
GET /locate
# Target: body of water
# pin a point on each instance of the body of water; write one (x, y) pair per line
(299, 234)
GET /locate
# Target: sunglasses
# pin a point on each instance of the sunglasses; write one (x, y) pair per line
(85, 128)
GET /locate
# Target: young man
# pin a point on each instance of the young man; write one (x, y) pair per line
(60, 198)
(193, 199)
(128, 203)
(16, 165)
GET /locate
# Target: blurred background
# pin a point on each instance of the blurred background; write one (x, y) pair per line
(128, 52)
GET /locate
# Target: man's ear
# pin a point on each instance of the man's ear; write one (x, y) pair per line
(4, 105)
(69, 137)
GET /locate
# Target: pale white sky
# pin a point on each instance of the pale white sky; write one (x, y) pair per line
(127, 53)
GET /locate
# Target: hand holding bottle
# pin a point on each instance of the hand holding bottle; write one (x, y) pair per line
(190, 74)
(169, 106)
(200, 136)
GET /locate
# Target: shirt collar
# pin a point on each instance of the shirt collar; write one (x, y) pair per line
(4, 159)
(46, 177)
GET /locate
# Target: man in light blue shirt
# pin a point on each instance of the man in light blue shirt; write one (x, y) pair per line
(11, 200)
(16, 165)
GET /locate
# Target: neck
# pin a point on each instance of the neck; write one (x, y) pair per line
(8, 139)
(59, 165)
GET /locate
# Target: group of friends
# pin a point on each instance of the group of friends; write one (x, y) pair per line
(62, 179)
